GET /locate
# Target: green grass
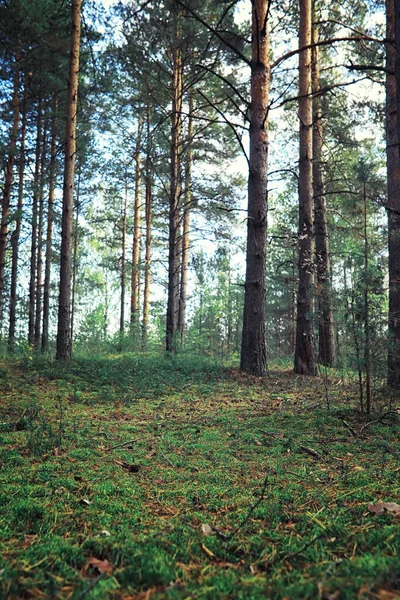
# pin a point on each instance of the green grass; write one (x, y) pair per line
(203, 440)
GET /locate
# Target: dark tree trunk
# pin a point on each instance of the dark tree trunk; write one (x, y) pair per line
(75, 253)
(393, 185)
(304, 360)
(175, 195)
(148, 216)
(64, 342)
(326, 342)
(253, 358)
(5, 204)
(17, 231)
(49, 234)
(33, 261)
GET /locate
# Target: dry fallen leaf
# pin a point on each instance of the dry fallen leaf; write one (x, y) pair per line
(206, 529)
(103, 566)
(380, 507)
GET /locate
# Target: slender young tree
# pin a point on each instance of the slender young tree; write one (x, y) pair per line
(64, 342)
(304, 360)
(148, 218)
(123, 262)
(49, 233)
(135, 279)
(39, 260)
(186, 221)
(326, 344)
(253, 357)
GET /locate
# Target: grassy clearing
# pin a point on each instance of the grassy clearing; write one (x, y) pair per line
(128, 459)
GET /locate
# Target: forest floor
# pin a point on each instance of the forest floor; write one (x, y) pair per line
(148, 477)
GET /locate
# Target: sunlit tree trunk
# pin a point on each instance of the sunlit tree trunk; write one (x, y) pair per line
(174, 244)
(15, 236)
(64, 342)
(5, 204)
(393, 184)
(304, 360)
(135, 280)
(326, 344)
(186, 222)
(148, 216)
(253, 350)
(34, 229)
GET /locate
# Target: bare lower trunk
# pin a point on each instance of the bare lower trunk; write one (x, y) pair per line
(123, 265)
(326, 345)
(253, 358)
(147, 258)
(175, 198)
(64, 342)
(393, 186)
(33, 261)
(186, 224)
(17, 231)
(49, 234)
(135, 281)
(367, 331)
(75, 254)
(39, 262)
(5, 204)
(304, 360)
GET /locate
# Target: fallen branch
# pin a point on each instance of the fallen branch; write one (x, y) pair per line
(119, 445)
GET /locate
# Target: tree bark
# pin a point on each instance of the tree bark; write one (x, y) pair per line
(304, 360)
(135, 281)
(49, 233)
(123, 264)
(5, 205)
(15, 236)
(174, 243)
(148, 217)
(39, 262)
(253, 357)
(64, 342)
(33, 263)
(393, 185)
(326, 342)
(186, 223)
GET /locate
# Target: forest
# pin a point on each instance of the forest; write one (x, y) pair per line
(199, 299)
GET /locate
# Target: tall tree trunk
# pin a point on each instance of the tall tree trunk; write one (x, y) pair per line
(148, 215)
(367, 327)
(5, 205)
(186, 222)
(304, 360)
(33, 263)
(64, 342)
(49, 233)
(253, 357)
(135, 280)
(326, 342)
(39, 262)
(174, 243)
(17, 231)
(393, 185)
(123, 263)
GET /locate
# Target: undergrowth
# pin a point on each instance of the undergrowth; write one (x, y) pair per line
(153, 477)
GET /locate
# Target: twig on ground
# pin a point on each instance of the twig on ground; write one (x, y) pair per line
(379, 420)
(351, 429)
(119, 445)
(310, 543)
(168, 461)
(311, 452)
(91, 586)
